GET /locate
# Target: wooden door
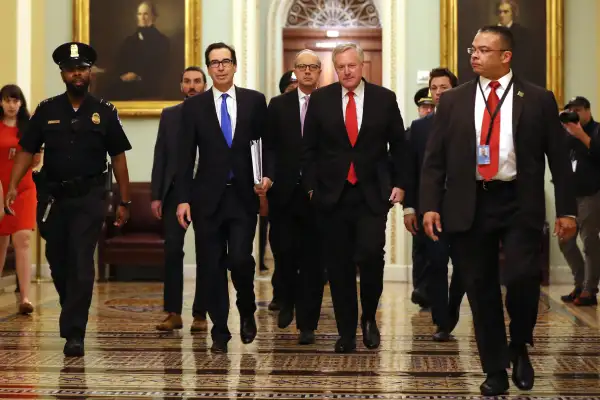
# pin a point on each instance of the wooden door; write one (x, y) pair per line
(297, 39)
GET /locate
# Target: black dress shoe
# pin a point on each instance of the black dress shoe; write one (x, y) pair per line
(418, 297)
(523, 375)
(273, 306)
(306, 337)
(248, 330)
(218, 347)
(345, 345)
(285, 317)
(74, 348)
(371, 335)
(441, 336)
(495, 384)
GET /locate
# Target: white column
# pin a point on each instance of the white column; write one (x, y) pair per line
(245, 41)
(393, 21)
(23, 37)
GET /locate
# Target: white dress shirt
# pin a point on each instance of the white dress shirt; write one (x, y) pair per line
(359, 99)
(231, 106)
(507, 163)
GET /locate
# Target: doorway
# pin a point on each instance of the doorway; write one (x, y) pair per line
(323, 41)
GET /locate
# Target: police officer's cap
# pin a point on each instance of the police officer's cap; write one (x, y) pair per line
(74, 54)
(286, 80)
(423, 97)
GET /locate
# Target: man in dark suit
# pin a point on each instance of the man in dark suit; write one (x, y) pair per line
(420, 262)
(484, 173)
(348, 173)
(445, 306)
(221, 200)
(164, 207)
(293, 234)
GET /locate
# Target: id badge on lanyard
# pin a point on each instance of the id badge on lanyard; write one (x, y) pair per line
(483, 150)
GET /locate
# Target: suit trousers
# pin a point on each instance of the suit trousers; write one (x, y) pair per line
(352, 234)
(586, 270)
(225, 240)
(71, 232)
(295, 242)
(420, 271)
(263, 229)
(173, 270)
(445, 300)
(477, 254)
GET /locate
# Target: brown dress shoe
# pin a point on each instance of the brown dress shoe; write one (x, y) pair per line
(173, 321)
(25, 308)
(199, 325)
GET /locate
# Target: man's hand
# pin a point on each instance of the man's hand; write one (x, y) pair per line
(432, 220)
(397, 195)
(122, 216)
(574, 129)
(565, 228)
(264, 187)
(410, 223)
(184, 215)
(156, 207)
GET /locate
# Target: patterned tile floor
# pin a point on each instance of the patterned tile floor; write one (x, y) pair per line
(126, 358)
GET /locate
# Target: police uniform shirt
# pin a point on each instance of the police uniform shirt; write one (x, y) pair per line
(76, 141)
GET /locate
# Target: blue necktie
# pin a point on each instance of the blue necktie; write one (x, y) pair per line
(226, 120)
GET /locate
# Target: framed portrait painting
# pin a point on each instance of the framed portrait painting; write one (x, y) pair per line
(537, 28)
(142, 46)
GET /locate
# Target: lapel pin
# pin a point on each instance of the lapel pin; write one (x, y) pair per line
(520, 94)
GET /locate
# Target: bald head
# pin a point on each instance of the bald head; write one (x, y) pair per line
(307, 67)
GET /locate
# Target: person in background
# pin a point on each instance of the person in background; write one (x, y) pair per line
(293, 234)
(425, 107)
(445, 306)
(19, 224)
(287, 83)
(164, 207)
(586, 167)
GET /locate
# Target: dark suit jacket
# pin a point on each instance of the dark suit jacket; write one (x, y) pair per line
(201, 130)
(417, 138)
(166, 150)
(327, 151)
(450, 157)
(284, 139)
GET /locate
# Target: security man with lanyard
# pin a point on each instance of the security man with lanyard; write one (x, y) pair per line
(77, 130)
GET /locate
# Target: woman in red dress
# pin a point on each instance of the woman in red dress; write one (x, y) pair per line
(13, 120)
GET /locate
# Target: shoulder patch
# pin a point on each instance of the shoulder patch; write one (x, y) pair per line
(108, 104)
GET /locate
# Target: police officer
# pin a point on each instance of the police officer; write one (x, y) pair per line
(77, 130)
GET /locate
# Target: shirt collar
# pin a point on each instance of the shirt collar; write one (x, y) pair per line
(358, 92)
(301, 94)
(504, 81)
(217, 93)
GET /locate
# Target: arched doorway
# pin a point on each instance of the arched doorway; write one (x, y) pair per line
(320, 25)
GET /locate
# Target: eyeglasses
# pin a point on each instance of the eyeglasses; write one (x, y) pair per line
(225, 63)
(312, 67)
(473, 50)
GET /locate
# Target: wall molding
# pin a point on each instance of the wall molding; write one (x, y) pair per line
(24, 46)
(245, 41)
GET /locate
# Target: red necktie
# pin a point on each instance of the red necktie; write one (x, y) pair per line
(488, 171)
(352, 128)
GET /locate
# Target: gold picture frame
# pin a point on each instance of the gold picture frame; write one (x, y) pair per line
(554, 42)
(192, 53)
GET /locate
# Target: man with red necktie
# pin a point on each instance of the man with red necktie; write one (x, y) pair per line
(484, 172)
(353, 180)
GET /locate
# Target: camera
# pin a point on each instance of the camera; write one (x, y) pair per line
(568, 116)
